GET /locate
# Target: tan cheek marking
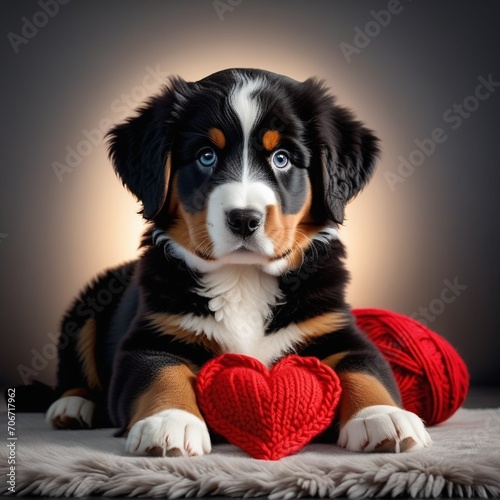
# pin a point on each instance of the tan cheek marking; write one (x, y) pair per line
(217, 137)
(189, 230)
(323, 324)
(86, 346)
(360, 390)
(273, 226)
(168, 324)
(270, 139)
(304, 231)
(168, 173)
(290, 232)
(172, 387)
(173, 200)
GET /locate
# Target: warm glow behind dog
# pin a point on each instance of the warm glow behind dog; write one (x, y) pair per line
(404, 245)
(93, 219)
(373, 234)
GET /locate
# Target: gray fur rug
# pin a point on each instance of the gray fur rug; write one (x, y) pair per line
(463, 462)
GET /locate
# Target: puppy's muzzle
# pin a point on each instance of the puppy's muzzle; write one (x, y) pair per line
(244, 222)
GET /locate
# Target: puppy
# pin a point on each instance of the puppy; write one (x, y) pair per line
(244, 177)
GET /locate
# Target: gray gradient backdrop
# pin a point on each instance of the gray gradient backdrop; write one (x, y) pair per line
(90, 63)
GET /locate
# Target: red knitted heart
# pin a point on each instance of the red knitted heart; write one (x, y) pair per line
(268, 413)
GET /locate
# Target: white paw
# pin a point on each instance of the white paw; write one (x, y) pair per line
(171, 433)
(384, 428)
(70, 412)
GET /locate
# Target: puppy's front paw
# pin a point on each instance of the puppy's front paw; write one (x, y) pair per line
(384, 428)
(169, 433)
(70, 412)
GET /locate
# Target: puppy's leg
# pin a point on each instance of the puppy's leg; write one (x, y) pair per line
(78, 381)
(153, 397)
(369, 414)
(370, 419)
(84, 342)
(73, 410)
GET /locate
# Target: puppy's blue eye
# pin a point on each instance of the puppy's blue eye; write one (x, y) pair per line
(280, 159)
(207, 157)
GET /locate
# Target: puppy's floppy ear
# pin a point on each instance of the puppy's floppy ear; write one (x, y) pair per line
(347, 152)
(139, 148)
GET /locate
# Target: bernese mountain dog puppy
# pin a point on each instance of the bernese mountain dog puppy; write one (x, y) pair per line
(244, 177)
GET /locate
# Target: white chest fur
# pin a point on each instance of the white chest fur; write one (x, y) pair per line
(241, 298)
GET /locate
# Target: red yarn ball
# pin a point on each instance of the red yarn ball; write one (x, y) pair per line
(432, 377)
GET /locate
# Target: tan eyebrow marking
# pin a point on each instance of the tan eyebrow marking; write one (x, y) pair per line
(270, 139)
(217, 137)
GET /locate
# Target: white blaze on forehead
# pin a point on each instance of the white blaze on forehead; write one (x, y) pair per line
(246, 191)
(246, 107)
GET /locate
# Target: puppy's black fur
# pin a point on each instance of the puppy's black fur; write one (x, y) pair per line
(273, 138)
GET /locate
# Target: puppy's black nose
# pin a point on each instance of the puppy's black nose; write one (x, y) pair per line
(244, 222)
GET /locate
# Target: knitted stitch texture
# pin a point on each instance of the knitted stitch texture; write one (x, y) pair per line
(432, 377)
(268, 413)
(274, 413)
